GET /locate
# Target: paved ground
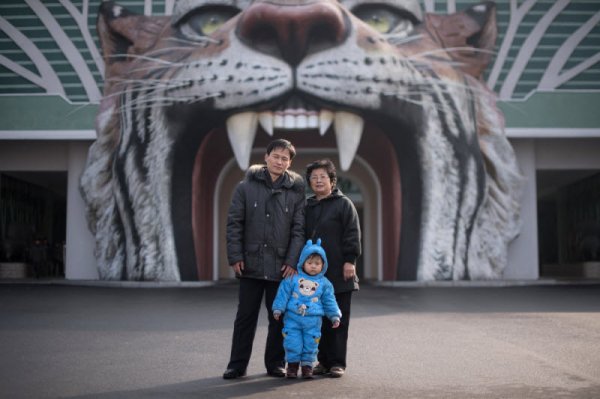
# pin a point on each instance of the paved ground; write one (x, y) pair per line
(61, 341)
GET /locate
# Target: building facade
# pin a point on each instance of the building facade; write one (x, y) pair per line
(545, 71)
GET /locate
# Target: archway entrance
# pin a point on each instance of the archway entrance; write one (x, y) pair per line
(375, 172)
(359, 183)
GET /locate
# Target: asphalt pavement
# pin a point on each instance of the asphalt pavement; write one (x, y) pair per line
(76, 341)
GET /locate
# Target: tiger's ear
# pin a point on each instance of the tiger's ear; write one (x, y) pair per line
(474, 28)
(123, 33)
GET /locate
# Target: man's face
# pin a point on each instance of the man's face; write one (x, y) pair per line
(278, 161)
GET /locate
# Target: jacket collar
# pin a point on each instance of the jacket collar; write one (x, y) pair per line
(336, 193)
(291, 179)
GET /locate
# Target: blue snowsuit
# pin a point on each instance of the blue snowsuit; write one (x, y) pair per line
(304, 300)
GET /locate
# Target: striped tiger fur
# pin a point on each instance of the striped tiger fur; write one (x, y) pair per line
(419, 76)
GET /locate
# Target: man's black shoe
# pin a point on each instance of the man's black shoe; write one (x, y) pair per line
(231, 374)
(276, 372)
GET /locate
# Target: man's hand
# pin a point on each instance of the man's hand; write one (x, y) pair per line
(276, 316)
(288, 271)
(238, 267)
(349, 271)
(335, 324)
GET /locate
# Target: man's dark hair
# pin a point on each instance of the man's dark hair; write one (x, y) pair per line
(284, 144)
(322, 164)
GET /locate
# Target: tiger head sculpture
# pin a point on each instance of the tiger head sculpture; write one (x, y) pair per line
(379, 77)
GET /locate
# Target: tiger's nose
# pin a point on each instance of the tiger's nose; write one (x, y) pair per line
(292, 29)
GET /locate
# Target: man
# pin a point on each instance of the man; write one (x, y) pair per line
(265, 234)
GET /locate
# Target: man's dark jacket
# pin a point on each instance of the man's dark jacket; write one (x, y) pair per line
(265, 223)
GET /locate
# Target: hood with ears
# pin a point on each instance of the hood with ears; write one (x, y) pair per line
(308, 250)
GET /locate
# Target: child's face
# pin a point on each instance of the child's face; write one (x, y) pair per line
(313, 265)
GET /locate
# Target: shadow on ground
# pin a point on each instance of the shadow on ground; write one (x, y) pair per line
(266, 387)
(214, 387)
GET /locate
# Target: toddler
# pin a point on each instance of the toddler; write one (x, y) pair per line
(304, 299)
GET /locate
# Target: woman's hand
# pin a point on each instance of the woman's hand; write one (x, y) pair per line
(349, 271)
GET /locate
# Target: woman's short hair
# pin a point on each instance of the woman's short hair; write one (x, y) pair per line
(322, 164)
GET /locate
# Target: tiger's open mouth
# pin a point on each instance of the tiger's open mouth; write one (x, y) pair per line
(295, 115)
(203, 150)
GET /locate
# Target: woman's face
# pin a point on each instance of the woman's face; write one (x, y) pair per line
(320, 183)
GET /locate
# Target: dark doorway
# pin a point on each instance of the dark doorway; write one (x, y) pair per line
(33, 209)
(569, 223)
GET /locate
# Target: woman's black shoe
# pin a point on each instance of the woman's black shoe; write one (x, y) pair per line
(230, 374)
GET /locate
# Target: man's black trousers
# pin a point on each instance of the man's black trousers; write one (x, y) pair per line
(244, 329)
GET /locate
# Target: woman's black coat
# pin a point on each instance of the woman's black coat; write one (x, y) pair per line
(335, 221)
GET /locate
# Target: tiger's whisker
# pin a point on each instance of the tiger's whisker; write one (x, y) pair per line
(149, 68)
(420, 103)
(128, 89)
(444, 83)
(403, 40)
(452, 49)
(166, 50)
(446, 61)
(193, 42)
(147, 58)
(147, 100)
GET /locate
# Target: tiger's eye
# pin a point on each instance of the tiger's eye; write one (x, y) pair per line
(384, 18)
(379, 21)
(209, 22)
(206, 20)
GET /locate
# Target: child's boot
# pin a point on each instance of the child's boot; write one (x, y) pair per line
(292, 370)
(307, 372)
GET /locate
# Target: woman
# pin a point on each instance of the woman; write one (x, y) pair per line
(331, 216)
